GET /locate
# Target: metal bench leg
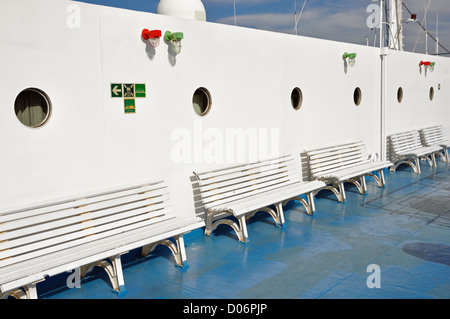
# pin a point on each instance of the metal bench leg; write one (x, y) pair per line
(309, 205)
(26, 292)
(240, 230)
(312, 205)
(113, 269)
(416, 166)
(16, 293)
(379, 179)
(268, 210)
(431, 159)
(443, 154)
(243, 229)
(178, 250)
(280, 214)
(341, 196)
(337, 190)
(31, 291)
(382, 182)
(446, 156)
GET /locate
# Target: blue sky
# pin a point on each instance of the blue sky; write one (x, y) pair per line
(339, 20)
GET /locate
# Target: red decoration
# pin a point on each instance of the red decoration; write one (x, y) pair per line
(146, 34)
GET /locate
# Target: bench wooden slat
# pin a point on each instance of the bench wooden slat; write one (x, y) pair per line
(337, 168)
(75, 242)
(205, 175)
(324, 157)
(256, 191)
(434, 136)
(243, 176)
(317, 168)
(50, 230)
(336, 157)
(92, 233)
(326, 149)
(245, 185)
(80, 213)
(74, 202)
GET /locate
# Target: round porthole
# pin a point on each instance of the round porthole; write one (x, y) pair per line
(357, 96)
(32, 107)
(296, 98)
(399, 95)
(201, 101)
(431, 93)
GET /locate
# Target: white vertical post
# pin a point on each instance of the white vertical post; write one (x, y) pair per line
(426, 31)
(234, 12)
(381, 24)
(437, 35)
(383, 54)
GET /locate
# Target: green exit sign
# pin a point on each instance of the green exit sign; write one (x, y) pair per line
(139, 90)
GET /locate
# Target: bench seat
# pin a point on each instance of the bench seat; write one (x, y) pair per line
(345, 163)
(88, 231)
(358, 170)
(435, 136)
(245, 189)
(407, 148)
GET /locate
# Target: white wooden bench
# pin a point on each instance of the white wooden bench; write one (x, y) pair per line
(407, 148)
(434, 135)
(242, 190)
(87, 231)
(345, 163)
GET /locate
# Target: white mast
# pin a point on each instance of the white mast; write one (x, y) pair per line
(395, 25)
(437, 35)
(234, 3)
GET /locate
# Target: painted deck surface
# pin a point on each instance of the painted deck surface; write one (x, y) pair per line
(403, 228)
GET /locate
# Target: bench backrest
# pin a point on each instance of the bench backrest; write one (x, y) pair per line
(433, 135)
(232, 183)
(327, 160)
(405, 141)
(36, 231)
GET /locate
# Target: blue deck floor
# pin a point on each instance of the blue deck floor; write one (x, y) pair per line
(403, 228)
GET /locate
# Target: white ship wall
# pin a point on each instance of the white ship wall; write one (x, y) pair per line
(89, 143)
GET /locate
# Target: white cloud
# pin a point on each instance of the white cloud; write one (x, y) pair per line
(341, 22)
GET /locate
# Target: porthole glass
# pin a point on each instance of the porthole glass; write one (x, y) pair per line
(296, 98)
(431, 93)
(400, 95)
(357, 96)
(32, 107)
(201, 101)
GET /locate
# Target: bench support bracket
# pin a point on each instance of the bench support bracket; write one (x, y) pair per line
(415, 164)
(112, 268)
(240, 230)
(337, 189)
(27, 292)
(379, 179)
(277, 214)
(177, 249)
(444, 154)
(309, 204)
